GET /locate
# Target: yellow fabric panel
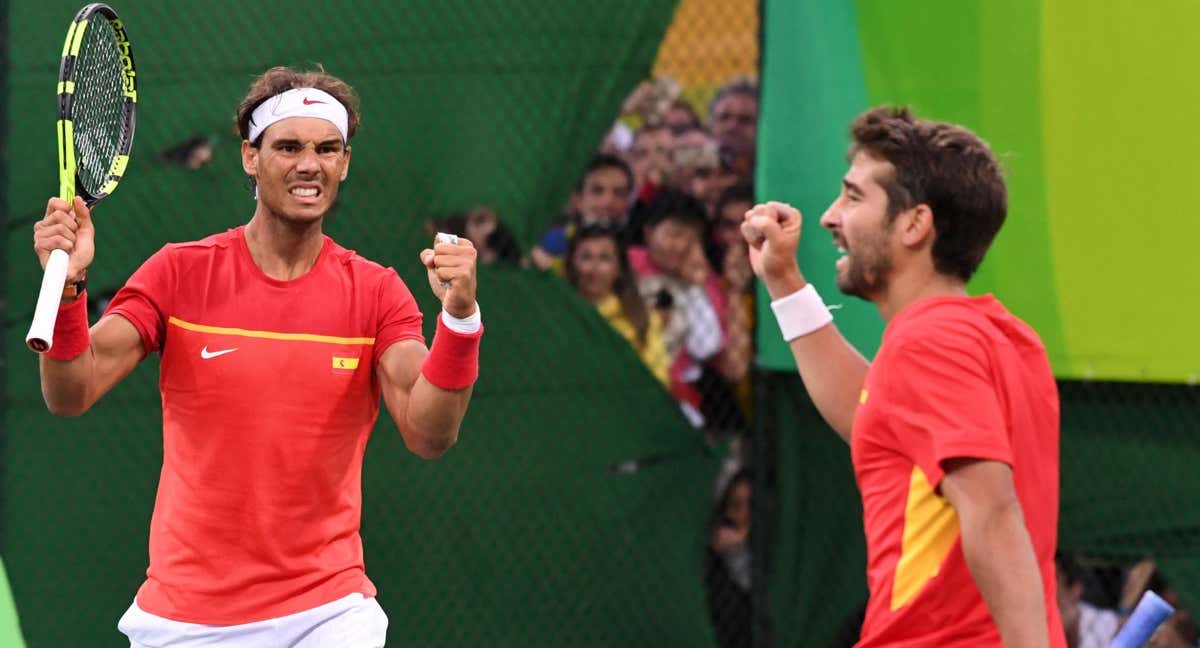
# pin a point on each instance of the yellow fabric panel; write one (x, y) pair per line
(930, 530)
(709, 42)
(654, 352)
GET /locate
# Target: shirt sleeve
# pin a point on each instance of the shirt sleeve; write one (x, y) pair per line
(399, 317)
(944, 402)
(144, 300)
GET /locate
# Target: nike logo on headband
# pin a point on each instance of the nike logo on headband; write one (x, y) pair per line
(298, 102)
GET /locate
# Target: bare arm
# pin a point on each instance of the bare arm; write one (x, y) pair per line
(998, 549)
(833, 371)
(70, 387)
(428, 417)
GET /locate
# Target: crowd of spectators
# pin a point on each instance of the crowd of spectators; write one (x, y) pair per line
(650, 237)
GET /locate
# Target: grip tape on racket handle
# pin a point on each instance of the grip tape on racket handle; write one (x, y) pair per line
(1150, 613)
(41, 332)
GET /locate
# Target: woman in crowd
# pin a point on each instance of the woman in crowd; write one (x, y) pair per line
(598, 268)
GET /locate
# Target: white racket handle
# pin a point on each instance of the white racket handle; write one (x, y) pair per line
(452, 239)
(41, 332)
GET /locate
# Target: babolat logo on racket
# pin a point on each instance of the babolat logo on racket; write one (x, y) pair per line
(127, 71)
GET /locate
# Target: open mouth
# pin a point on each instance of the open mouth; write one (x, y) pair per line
(841, 248)
(305, 192)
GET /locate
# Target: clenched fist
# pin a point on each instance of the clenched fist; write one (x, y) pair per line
(772, 231)
(451, 270)
(68, 228)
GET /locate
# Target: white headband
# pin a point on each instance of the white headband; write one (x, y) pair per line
(299, 102)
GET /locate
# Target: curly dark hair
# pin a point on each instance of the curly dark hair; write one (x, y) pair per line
(946, 167)
(281, 79)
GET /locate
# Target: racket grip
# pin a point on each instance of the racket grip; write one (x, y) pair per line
(1150, 613)
(452, 239)
(41, 332)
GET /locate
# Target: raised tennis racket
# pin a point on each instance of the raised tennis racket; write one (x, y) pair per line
(97, 97)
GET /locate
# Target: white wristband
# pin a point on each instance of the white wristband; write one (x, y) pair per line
(466, 325)
(801, 313)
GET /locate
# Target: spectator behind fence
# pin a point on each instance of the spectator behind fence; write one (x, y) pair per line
(601, 198)
(733, 119)
(1086, 625)
(726, 234)
(695, 164)
(699, 168)
(598, 268)
(650, 160)
(1179, 630)
(681, 117)
(693, 151)
(727, 564)
(728, 254)
(653, 102)
(493, 240)
(672, 268)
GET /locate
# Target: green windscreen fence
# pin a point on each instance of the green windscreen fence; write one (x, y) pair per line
(463, 104)
(543, 526)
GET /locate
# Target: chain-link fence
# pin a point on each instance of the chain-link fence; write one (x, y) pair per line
(598, 495)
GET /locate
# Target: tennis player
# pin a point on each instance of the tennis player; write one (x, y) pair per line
(953, 430)
(276, 345)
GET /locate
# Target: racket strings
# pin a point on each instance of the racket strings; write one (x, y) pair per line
(97, 107)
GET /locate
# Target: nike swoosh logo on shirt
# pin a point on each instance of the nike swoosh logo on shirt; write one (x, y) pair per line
(208, 355)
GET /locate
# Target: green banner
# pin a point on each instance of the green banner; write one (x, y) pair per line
(1090, 111)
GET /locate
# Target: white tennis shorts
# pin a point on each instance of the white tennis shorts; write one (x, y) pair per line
(349, 622)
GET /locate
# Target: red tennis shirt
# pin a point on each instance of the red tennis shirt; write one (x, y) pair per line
(955, 377)
(269, 394)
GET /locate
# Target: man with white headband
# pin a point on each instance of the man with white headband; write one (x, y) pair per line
(255, 535)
